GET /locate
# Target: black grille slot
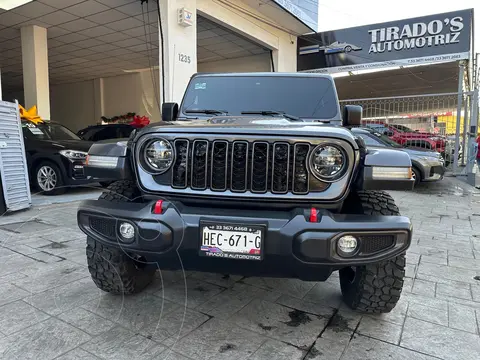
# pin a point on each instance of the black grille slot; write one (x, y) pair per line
(179, 170)
(219, 165)
(105, 227)
(300, 172)
(239, 166)
(199, 164)
(260, 166)
(374, 243)
(281, 165)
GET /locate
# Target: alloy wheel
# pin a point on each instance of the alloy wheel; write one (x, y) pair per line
(47, 178)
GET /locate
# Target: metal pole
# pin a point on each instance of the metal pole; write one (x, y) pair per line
(465, 127)
(461, 71)
(472, 141)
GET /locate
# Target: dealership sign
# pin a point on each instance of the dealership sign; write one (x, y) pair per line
(428, 39)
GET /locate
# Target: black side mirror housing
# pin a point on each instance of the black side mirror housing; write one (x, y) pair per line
(388, 133)
(169, 111)
(352, 115)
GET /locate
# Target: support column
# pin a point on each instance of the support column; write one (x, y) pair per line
(461, 73)
(35, 69)
(285, 57)
(98, 99)
(471, 148)
(180, 49)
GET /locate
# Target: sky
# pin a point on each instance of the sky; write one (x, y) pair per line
(348, 13)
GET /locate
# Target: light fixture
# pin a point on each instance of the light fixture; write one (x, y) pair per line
(109, 162)
(127, 231)
(347, 245)
(391, 173)
(12, 4)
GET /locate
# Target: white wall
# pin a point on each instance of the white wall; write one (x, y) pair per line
(73, 105)
(255, 63)
(76, 105)
(134, 92)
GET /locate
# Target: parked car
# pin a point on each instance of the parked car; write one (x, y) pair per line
(403, 135)
(105, 132)
(427, 165)
(55, 157)
(260, 181)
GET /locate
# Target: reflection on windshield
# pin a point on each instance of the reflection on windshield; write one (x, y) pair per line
(402, 128)
(48, 131)
(301, 96)
(386, 140)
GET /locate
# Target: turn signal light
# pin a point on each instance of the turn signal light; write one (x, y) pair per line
(391, 173)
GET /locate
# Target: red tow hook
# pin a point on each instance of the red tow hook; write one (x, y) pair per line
(158, 207)
(313, 215)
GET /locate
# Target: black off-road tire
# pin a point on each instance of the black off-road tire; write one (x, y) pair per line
(106, 184)
(373, 288)
(114, 271)
(111, 268)
(122, 191)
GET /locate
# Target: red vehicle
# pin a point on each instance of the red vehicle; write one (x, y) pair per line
(410, 138)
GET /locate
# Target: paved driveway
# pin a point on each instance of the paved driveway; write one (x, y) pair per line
(50, 309)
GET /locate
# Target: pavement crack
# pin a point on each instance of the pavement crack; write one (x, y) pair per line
(312, 351)
(355, 330)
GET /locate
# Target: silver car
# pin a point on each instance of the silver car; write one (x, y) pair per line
(427, 165)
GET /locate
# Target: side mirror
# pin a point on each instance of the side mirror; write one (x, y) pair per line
(352, 115)
(388, 133)
(169, 111)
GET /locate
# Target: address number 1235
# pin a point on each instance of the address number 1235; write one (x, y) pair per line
(184, 58)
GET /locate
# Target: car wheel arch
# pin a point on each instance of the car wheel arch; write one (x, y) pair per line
(416, 166)
(42, 158)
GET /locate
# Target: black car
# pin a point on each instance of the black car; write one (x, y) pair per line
(105, 132)
(55, 156)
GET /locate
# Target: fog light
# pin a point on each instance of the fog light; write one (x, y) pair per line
(127, 231)
(347, 245)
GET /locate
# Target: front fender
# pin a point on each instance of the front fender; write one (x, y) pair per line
(386, 169)
(109, 160)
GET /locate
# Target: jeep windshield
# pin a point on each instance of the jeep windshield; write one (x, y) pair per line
(303, 97)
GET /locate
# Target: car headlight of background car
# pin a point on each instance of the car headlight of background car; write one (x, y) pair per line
(328, 162)
(74, 154)
(431, 158)
(158, 155)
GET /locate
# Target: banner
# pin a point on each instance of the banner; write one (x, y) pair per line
(304, 10)
(426, 39)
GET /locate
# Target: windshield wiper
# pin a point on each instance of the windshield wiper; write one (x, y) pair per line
(206, 111)
(271, 112)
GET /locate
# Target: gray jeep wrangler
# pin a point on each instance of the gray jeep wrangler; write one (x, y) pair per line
(253, 174)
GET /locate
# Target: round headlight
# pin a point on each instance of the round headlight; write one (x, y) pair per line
(159, 155)
(328, 162)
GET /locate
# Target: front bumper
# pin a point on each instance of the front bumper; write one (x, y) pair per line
(293, 246)
(433, 170)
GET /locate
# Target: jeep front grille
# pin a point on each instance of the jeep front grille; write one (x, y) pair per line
(241, 166)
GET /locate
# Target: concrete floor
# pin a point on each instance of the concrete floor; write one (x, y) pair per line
(50, 308)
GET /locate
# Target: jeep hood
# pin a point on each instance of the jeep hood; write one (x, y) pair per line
(251, 125)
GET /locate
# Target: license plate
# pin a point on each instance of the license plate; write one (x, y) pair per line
(232, 241)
